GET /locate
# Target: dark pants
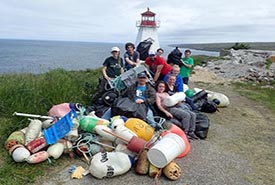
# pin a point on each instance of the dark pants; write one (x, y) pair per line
(185, 80)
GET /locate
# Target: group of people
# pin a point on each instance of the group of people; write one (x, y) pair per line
(168, 80)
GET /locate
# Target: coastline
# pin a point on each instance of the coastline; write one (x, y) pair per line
(218, 46)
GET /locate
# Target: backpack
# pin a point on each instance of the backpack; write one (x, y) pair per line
(209, 107)
(174, 57)
(203, 104)
(143, 48)
(202, 125)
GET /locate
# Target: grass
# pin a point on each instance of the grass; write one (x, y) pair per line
(201, 59)
(268, 63)
(35, 94)
(257, 93)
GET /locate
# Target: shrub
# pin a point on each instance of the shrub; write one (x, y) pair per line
(238, 46)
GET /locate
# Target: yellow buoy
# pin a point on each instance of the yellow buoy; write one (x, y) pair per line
(140, 127)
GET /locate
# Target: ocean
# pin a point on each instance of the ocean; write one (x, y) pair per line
(32, 56)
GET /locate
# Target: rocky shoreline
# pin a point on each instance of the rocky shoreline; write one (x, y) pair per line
(244, 65)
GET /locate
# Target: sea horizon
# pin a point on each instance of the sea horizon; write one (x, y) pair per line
(40, 56)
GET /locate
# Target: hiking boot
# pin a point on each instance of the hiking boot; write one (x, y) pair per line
(192, 135)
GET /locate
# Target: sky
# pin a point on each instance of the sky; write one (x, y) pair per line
(181, 21)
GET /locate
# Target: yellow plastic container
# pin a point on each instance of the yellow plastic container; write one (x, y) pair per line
(141, 128)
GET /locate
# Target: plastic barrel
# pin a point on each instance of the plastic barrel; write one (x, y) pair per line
(167, 149)
(177, 130)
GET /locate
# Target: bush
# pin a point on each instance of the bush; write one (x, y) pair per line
(238, 46)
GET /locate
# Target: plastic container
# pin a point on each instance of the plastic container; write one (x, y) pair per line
(140, 127)
(60, 128)
(88, 123)
(177, 130)
(167, 149)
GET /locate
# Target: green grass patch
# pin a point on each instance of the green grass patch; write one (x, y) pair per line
(268, 63)
(36, 94)
(257, 93)
(202, 59)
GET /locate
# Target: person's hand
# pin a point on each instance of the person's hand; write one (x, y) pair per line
(139, 101)
(168, 114)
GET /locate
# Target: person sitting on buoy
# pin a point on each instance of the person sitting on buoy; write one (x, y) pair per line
(187, 121)
(141, 93)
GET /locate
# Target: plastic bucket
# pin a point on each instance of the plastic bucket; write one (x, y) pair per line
(167, 149)
(177, 130)
(140, 127)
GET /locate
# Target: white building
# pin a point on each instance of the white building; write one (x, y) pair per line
(148, 29)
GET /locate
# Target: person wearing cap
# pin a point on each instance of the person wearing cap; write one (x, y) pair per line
(112, 68)
(113, 65)
(131, 56)
(157, 65)
(141, 93)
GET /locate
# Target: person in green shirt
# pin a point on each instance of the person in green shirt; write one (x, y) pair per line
(187, 66)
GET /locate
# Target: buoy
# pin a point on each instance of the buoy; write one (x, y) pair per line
(33, 130)
(18, 136)
(142, 166)
(37, 145)
(140, 128)
(88, 123)
(20, 154)
(136, 144)
(56, 150)
(124, 132)
(174, 99)
(172, 171)
(38, 157)
(99, 130)
(109, 164)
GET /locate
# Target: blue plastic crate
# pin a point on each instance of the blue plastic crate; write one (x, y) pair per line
(59, 129)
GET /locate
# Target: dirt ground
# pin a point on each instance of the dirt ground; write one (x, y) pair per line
(239, 149)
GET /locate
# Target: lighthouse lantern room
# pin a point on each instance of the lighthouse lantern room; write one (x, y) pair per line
(147, 29)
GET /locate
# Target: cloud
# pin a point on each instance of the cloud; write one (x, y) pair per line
(115, 21)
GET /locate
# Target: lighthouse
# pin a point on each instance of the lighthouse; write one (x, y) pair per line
(148, 29)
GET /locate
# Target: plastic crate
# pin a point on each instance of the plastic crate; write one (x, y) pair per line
(60, 128)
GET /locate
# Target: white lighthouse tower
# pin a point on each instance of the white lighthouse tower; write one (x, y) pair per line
(148, 29)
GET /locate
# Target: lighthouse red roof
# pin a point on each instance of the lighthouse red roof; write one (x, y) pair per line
(148, 13)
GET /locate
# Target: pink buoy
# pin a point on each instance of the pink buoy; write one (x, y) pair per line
(136, 144)
(177, 130)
